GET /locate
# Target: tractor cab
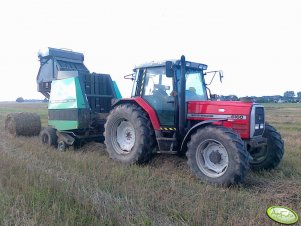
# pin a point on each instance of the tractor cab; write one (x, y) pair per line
(159, 84)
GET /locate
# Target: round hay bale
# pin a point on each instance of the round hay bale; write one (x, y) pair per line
(23, 124)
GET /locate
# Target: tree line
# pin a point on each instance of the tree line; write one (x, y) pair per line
(287, 97)
(21, 100)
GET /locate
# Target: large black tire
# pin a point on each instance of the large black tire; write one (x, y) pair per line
(268, 157)
(48, 136)
(217, 155)
(129, 136)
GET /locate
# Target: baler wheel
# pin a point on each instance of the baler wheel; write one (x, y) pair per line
(48, 136)
(61, 146)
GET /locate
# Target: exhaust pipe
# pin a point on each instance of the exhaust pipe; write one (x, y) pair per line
(182, 116)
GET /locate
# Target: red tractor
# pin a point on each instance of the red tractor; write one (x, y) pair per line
(171, 111)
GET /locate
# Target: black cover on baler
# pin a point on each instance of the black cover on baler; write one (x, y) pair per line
(52, 61)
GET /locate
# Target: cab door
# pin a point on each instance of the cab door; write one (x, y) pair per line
(157, 90)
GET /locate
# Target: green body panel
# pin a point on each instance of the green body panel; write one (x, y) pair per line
(66, 97)
(67, 94)
(116, 90)
(61, 125)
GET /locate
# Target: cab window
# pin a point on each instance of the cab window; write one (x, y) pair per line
(157, 92)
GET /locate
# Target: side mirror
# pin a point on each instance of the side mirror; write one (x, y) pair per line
(130, 76)
(221, 76)
(168, 69)
(220, 73)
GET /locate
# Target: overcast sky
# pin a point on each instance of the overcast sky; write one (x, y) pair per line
(256, 43)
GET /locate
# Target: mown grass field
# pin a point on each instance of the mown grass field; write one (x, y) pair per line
(40, 186)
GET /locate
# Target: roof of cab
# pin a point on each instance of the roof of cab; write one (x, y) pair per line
(155, 64)
(175, 62)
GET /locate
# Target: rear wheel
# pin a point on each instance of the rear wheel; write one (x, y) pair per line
(61, 146)
(129, 136)
(269, 156)
(48, 136)
(217, 155)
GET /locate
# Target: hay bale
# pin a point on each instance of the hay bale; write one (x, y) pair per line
(23, 124)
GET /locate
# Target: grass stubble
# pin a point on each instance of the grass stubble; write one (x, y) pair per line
(40, 186)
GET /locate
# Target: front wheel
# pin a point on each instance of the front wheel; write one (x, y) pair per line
(217, 155)
(270, 155)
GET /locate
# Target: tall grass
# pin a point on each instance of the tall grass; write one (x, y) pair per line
(40, 186)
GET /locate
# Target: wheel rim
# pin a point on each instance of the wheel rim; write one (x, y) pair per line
(212, 158)
(61, 146)
(123, 136)
(45, 139)
(259, 155)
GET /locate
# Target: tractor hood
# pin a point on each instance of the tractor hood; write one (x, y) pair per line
(219, 109)
(246, 118)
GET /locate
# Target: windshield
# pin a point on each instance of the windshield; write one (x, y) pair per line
(195, 86)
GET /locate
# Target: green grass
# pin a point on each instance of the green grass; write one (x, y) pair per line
(40, 186)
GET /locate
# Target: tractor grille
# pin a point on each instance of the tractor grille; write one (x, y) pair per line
(257, 121)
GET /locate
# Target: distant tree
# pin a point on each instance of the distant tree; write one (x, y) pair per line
(260, 100)
(20, 100)
(234, 98)
(289, 94)
(299, 94)
(228, 98)
(45, 100)
(247, 99)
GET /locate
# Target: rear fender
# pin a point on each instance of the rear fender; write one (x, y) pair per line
(195, 128)
(145, 106)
